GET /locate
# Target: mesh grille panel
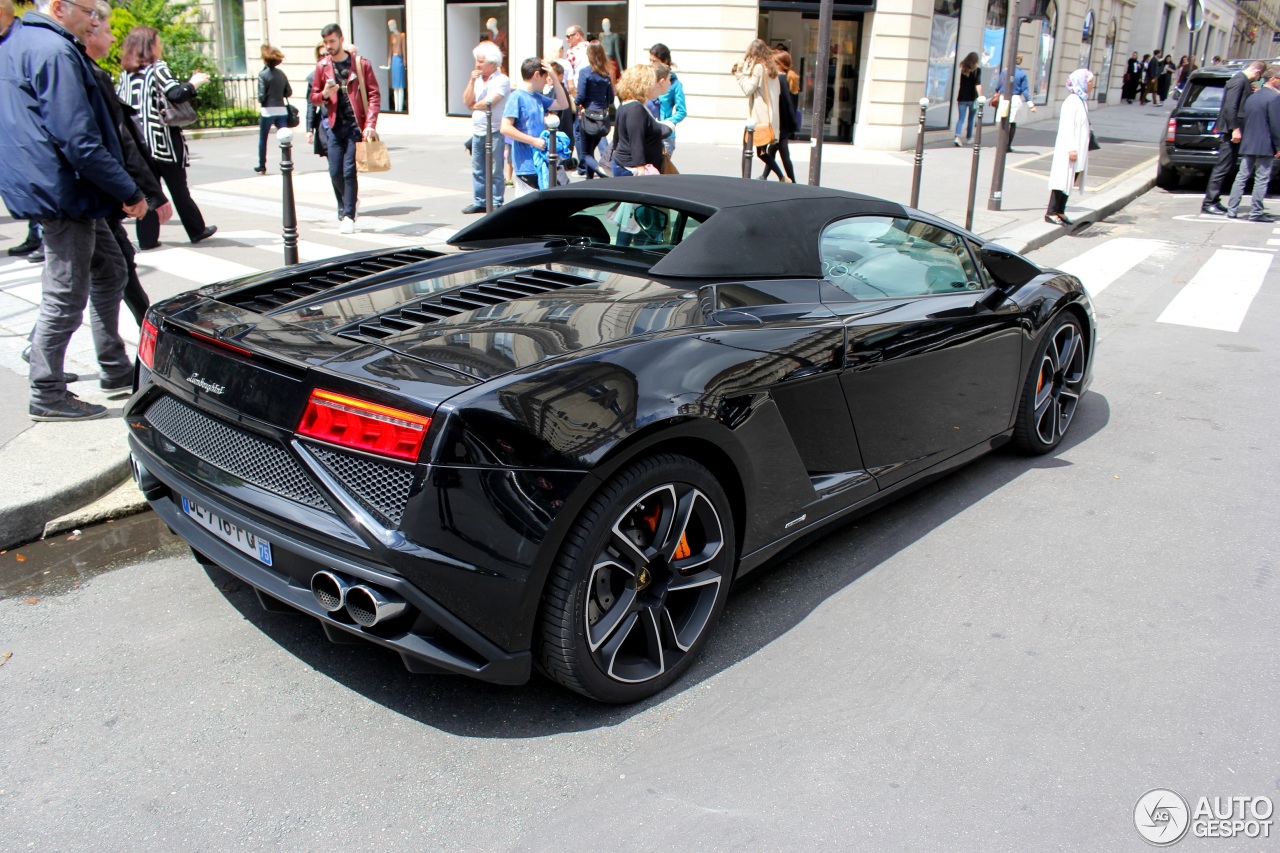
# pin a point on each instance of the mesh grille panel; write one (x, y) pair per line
(247, 456)
(382, 488)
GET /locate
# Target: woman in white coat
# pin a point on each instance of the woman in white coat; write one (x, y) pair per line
(757, 74)
(1071, 148)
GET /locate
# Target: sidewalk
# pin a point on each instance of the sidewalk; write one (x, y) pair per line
(57, 475)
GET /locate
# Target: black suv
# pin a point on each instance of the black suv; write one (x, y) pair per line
(1190, 144)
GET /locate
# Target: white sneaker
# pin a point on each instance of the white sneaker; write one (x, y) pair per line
(346, 225)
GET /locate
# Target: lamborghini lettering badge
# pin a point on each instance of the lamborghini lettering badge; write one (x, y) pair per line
(209, 387)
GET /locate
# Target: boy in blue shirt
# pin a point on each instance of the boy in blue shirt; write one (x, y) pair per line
(523, 119)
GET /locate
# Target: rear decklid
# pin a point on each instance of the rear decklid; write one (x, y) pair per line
(1196, 116)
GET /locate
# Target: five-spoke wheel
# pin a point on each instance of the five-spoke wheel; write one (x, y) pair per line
(1054, 385)
(639, 581)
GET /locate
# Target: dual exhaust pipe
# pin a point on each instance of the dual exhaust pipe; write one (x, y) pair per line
(366, 605)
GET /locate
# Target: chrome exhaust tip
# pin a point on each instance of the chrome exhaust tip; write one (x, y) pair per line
(369, 606)
(330, 590)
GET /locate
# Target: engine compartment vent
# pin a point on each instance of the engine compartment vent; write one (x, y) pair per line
(485, 294)
(277, 293)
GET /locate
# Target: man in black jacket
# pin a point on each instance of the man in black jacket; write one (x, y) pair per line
(1229, 127)
(1259, 147)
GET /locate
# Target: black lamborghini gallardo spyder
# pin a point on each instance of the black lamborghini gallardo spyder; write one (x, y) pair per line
(558, 443)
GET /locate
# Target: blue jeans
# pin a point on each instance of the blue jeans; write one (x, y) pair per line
(265, 125)
(1259, 169)
(587, 145)
(342, 167)
(477, 168)
(966, 110)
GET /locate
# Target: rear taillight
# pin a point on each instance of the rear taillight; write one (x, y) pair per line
(361, 425)
(1172, 130)
(147, 345)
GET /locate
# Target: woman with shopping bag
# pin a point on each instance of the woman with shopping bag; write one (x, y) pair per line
(757, 75)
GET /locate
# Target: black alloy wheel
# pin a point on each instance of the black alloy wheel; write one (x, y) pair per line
(1053, 387)
(639, 582)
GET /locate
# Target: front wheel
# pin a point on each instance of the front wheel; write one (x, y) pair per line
(640, 580)
(1053, 387)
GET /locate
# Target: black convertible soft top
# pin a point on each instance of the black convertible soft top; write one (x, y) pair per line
(750, 229)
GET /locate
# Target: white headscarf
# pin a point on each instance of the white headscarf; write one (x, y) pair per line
(1078, 84)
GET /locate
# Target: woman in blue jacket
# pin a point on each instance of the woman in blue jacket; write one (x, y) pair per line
(595, 96)
(671, 103)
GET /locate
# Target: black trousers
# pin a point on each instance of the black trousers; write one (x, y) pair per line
(1057, 203)
(784, 153)
(135, 298)
(1228, 154)
(175, 178)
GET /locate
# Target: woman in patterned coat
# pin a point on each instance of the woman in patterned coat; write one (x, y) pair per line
(147, 85)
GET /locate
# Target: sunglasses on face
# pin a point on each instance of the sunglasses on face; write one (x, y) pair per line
(94, 14)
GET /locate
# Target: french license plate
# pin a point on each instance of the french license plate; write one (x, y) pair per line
(251, 544)
(1212, 126)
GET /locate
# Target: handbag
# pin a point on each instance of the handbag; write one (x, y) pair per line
(178, 115)
(1093, 141)
(294, 118)
(594, 122)
(371, 153)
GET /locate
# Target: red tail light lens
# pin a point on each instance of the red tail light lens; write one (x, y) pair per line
(358, 424)
(147, 345)
(1172, 130)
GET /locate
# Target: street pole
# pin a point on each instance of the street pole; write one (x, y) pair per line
(748, 147)
(1005, 110)
(553, 157)
(973, 169)
(919, 161)
(285, 137)
(488, 158)
(818, 123)
(538, 33)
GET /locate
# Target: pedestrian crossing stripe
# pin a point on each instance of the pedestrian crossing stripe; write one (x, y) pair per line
(1103, 265)
(1220, 293)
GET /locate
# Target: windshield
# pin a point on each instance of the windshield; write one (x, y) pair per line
(627, 225)
(1205, 96)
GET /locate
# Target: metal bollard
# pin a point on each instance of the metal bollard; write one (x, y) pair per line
(748, 148)
(553, 158)
(488, 158)
(973, 169)
(285, 137)
(919, 162)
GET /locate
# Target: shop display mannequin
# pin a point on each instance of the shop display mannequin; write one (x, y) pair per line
(396, 58)
(615, 49)
(499, 38)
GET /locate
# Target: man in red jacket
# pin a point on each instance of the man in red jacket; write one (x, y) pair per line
(345, 86)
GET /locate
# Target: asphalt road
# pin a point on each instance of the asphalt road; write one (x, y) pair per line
(1006, 660)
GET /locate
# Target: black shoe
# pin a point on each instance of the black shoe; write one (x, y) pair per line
(473, 208)
(124, 383)
(1262, 217)
(26, 247)
(71, 408)
(1231, 215)
(36, 257)
(261, 170)
(156, 245)
(1213, 209)
(205, 234)
(67, 376)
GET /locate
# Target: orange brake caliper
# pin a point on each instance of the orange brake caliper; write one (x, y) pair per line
(682, 550)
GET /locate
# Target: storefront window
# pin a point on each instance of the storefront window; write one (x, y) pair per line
(1104, 83)
(605, 22)
(231, 36)
(378, 30)
(993, 46)
(939, 87)
(1086, 40)
(1044, 50)
(465, 26)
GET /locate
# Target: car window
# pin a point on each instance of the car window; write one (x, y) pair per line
(1204, 96)
(874, 257)
(642, 226)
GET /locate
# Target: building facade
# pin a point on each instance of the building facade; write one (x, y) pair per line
(885, 54)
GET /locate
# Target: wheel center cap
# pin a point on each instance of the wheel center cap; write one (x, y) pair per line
(643, 579)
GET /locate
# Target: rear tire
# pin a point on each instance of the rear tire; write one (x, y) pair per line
(639, 582)
(1054, 384)
(1167, 178)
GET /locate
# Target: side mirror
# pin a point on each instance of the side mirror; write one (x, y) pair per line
(1009, 269)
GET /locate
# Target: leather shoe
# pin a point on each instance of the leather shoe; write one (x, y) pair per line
(206, 233)
(123, 383)
(71, 408)
(1262, 217)
(473, 208)
(1214, 209)
(261, 170)
(26, 247)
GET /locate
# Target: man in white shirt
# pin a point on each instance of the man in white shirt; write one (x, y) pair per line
(575, 57)
(487, 87)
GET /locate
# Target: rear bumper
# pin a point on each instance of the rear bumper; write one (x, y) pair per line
(1189, 160)
(427, 636)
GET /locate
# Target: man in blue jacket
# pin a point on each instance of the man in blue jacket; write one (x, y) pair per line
(1021, 96)
(1259, 147)
(64, 167)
